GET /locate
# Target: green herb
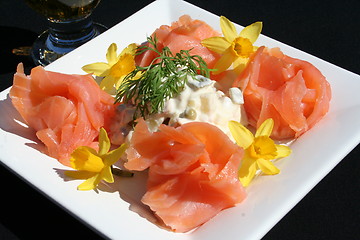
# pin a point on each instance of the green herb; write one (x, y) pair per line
(164, 78)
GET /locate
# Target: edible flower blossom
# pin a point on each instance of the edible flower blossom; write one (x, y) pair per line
(95, 166)
(259, 150)
(234, 48)
(116, 68)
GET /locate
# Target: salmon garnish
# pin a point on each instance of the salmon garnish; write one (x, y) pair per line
(193, 172)
(184, 34)
(292, 92)
(66, 111)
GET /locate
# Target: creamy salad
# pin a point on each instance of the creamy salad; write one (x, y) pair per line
(200, 100)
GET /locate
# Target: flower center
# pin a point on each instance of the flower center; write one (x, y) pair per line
(84, 158)
(263, 147)
(125, 65)
(242, 47)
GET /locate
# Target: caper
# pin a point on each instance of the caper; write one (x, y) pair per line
(190, 113)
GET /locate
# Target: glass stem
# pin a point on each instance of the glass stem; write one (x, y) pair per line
(66, 36)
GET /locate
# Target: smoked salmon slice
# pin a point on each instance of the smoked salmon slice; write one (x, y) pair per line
(66, 111)
(184, 34)
(193, 172)
(292, 92)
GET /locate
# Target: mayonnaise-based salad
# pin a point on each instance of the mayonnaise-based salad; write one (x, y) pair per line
(200, 100)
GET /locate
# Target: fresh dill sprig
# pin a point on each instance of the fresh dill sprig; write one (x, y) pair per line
(149, 87)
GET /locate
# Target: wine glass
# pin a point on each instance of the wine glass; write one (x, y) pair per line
(70, 26)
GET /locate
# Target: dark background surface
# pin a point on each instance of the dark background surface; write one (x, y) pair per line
(326, 29)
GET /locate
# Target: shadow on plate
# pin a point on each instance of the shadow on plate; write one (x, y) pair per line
(12, 122)
(130, 190)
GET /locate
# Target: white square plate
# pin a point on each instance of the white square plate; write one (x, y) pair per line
(113, 210)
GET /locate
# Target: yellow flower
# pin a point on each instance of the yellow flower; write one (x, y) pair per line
(94, 166)
(115, 70)
(234, 48)
(259, 150)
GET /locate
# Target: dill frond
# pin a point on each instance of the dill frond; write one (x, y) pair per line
(163, 79)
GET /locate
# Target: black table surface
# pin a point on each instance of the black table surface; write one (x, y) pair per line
(326, 29)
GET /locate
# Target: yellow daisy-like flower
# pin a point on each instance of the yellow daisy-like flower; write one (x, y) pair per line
(234, 48)
(116, 68)
(259, 150)
(94, 166)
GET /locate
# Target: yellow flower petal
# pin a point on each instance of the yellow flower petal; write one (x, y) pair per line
(130, 49)
(121, 79)
(252, 31)
(247, 171)
(86, 159)
(107, 84)
(124, 66)
(118, 71)
(90, 183)
(106, 175)
(239, 64)
(265, 128)
(216, 44)
(111, 55)
(99, 69)
(225, 61)
(282, 151)
(267, 166)
(228, 29)
(95, 166)
(243, 137)
(111, 157)
(138, 75)
(104, 142)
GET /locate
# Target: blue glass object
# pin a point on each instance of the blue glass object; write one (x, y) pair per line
(70, 26)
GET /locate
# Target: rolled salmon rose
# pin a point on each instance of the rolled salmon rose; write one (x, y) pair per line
(184, 34)
(193, 172)
(65, 110)
(292, 92)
